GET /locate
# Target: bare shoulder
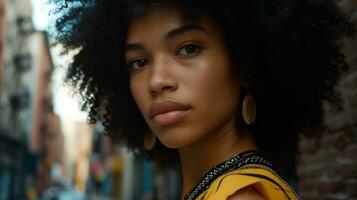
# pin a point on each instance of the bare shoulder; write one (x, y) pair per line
(248, 193)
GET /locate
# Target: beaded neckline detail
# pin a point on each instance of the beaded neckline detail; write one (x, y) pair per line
(235, 162)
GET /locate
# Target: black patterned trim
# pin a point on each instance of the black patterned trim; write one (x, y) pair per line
(236, 162)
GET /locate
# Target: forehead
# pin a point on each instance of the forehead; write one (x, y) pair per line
(158, 21)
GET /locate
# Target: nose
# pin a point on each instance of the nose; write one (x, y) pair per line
(162, 77)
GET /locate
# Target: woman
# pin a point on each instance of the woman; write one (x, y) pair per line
(222, 89)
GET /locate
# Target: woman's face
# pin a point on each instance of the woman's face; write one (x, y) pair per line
(181, 76)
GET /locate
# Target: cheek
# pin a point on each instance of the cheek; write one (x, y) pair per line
(215, 90)
(138, 92)
(213, 79)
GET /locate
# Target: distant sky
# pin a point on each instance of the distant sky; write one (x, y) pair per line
(40, 14)
(64, 105)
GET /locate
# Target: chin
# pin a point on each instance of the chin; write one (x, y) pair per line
(176, 139)
(174, 143)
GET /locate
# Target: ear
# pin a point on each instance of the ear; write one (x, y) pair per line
(246, 79)
(245, 84)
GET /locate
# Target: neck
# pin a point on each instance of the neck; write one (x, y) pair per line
(198, 159)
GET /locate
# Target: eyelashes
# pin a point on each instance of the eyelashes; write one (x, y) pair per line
(189, 49)
(137, 64)
(186, 50)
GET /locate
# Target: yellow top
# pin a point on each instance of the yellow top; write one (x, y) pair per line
(262, 178)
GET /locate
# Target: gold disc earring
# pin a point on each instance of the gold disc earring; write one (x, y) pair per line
(249, 109)
(149, 141)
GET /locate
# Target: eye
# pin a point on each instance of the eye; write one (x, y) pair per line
(189, 49)
(137, 64)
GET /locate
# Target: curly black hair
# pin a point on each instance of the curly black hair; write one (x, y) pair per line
(291, 49)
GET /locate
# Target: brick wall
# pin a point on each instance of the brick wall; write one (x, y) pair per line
(327, 168)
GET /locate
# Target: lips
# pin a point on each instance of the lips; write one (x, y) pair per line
(168, 112)
(165, 107)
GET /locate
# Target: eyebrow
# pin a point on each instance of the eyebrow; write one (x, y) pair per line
(183, 29)
(171, 34)
(133, 47)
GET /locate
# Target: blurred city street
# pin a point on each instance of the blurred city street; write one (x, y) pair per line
(47, 149)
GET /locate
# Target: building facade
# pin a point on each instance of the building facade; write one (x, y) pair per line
(30, 135)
